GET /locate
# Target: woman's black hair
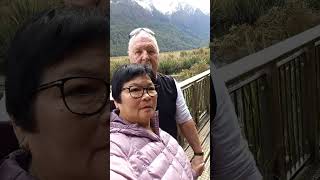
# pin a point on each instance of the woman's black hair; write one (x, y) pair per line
(43, 41)
(126, 73)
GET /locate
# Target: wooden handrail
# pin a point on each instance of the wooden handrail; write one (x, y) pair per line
(195, 78)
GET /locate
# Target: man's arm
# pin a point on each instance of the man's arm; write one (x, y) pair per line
(189, 131)
(186, 123)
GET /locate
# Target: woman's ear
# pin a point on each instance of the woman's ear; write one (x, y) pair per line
(21, 135)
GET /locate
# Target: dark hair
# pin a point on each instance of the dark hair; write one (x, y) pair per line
(40, 43)
(126, 73)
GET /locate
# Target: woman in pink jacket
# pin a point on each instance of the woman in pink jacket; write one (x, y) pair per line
(139, 149)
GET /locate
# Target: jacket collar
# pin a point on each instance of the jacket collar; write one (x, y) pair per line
(118, 124)
(15, 166)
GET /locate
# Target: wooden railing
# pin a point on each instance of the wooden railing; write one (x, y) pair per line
(196, 91)
(276, 96)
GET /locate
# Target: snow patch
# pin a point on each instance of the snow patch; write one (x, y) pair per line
(168, 7)
(145, 4)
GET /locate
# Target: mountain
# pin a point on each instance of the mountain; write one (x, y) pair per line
(177, 25)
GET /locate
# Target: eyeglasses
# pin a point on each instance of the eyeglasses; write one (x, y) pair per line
(81, 95)
(137, 92)
(138, 30)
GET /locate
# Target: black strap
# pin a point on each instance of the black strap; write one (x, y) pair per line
(199, 154)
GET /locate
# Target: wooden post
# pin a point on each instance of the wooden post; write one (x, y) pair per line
(266, 129)
(278, 153)
(311, 102)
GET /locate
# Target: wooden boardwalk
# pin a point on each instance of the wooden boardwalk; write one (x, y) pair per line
(204, 134)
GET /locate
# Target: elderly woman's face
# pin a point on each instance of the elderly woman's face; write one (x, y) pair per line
(137, 109)
(69, 145)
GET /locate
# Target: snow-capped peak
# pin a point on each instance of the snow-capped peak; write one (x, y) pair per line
(168, 7)
(146, 4)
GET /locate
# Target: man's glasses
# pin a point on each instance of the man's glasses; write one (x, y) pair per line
(82, 95)
(138, 30)
(137, 92)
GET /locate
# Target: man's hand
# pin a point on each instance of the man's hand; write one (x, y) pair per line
(197, 165)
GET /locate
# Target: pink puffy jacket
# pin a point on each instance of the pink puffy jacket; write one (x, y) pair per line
(137, 154)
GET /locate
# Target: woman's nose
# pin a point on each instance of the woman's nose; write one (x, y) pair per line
(144, 56)
(146, 95)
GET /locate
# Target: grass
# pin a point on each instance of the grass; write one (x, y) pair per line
(180, 64)
(226, 13)
(277, 24)
(13, 14)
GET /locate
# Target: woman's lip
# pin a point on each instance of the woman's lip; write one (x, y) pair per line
(147, 107)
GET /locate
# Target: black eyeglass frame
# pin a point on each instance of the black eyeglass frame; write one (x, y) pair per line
(60, 83)
(144, 89)
(138, 30)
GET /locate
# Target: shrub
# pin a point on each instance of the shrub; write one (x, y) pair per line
(14, 14)
(194, 70)
(314, 4)
(171, 63)
(169, 66)
(115, 64)
(278, 24)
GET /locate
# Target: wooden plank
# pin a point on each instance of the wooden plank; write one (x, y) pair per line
(206, 147)
(186, 83)
(291, 58)
(298, 107)
(203, 133)
(206, 173)
(286, 134)
(289, 115)
(294, 112)
(253, 77)
(302, 103)
(277, 123)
